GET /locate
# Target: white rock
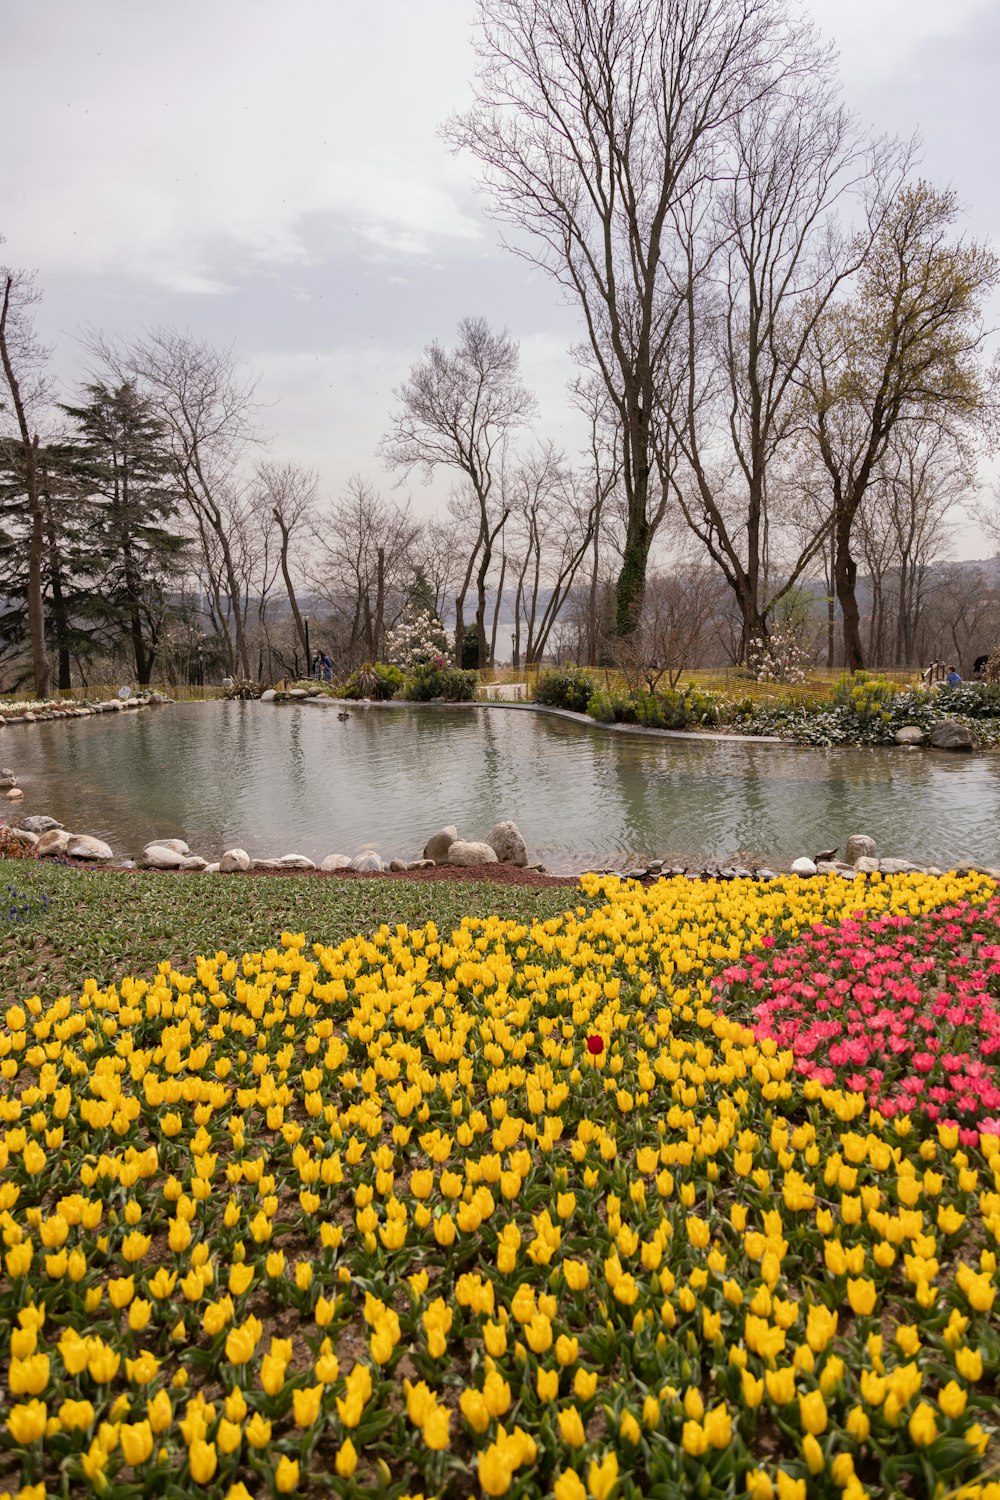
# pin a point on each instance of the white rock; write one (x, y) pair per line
(268, 695)
(507, 843)
(212, 869)
(466, 853)
(14, 794)
(859, 845)
(234, 859)
(899, 867)
(295, 862)
(336, 862)
(296, 693)
(368, 862)
(177, 845)
(193, 862)
(160, 857)
(803, 867)
(866, 865)
(437, 846)
(85, 846)
(25, 836)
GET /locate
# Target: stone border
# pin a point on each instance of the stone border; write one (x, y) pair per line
(58, 709)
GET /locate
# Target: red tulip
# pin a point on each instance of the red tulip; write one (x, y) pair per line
(595, 1045)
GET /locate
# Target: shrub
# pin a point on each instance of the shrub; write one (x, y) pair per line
(442, 682)
(379, 680)
(572, 688)
(603, 707)
(865, 696)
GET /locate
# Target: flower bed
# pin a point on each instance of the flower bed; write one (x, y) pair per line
(902, 1011)
(514, 1208)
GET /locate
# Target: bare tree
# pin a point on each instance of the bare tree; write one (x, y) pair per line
(287, 493)
(905, 352)
(677, 612)
(592, 123)
(208, 407)
(763, 257)
(21, 358)
(363, 562)
(555, 516)
(457, 410)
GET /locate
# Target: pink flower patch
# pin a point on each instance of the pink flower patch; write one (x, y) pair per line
(894, 1008)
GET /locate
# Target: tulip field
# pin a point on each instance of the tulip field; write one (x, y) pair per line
(688, 1190)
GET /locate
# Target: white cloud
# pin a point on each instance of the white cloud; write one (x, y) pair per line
(878, 38)
(193, 148)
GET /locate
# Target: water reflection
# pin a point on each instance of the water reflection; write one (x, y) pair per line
(280, 779)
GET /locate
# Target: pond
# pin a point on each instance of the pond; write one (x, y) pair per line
(297, 779)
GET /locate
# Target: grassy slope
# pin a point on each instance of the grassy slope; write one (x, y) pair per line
(104, 925)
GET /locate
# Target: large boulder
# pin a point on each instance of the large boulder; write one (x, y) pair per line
(268, 695)
(367, 863)
(53, 841)
(437, 846)
(177, 845)
(335, 862)
(910, 734)
(859, 846)
(507, 843)
(162, 857)
(39, 823)
(899, 867)
(233, 861)
(85, 846)
(951, 735)
(466, 853)
(294, 862)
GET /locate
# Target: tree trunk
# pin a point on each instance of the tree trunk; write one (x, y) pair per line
(380, 607)
(631, 586)
(496, 611)
(846, 578)
(293, 603)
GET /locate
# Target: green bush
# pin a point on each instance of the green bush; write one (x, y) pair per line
(865, 696)
(379, 680)
(603, 707)
(572, 688)
(442, 682)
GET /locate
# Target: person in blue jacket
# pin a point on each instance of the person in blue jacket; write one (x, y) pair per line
(953, 678)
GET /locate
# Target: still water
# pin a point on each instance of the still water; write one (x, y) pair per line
(280, 780)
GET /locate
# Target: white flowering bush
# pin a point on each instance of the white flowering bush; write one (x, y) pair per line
(417, 641)
(780, 658)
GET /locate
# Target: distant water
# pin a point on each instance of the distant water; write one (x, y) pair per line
(296, 779)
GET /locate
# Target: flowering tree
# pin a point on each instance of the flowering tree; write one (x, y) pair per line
(418, 641)
(780, 658)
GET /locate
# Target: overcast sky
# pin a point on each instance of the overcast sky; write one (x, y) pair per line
(270, 176)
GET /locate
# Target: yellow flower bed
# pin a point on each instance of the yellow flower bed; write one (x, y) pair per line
(511, 1210)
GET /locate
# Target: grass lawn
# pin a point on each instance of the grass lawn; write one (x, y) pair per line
(59, 926)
